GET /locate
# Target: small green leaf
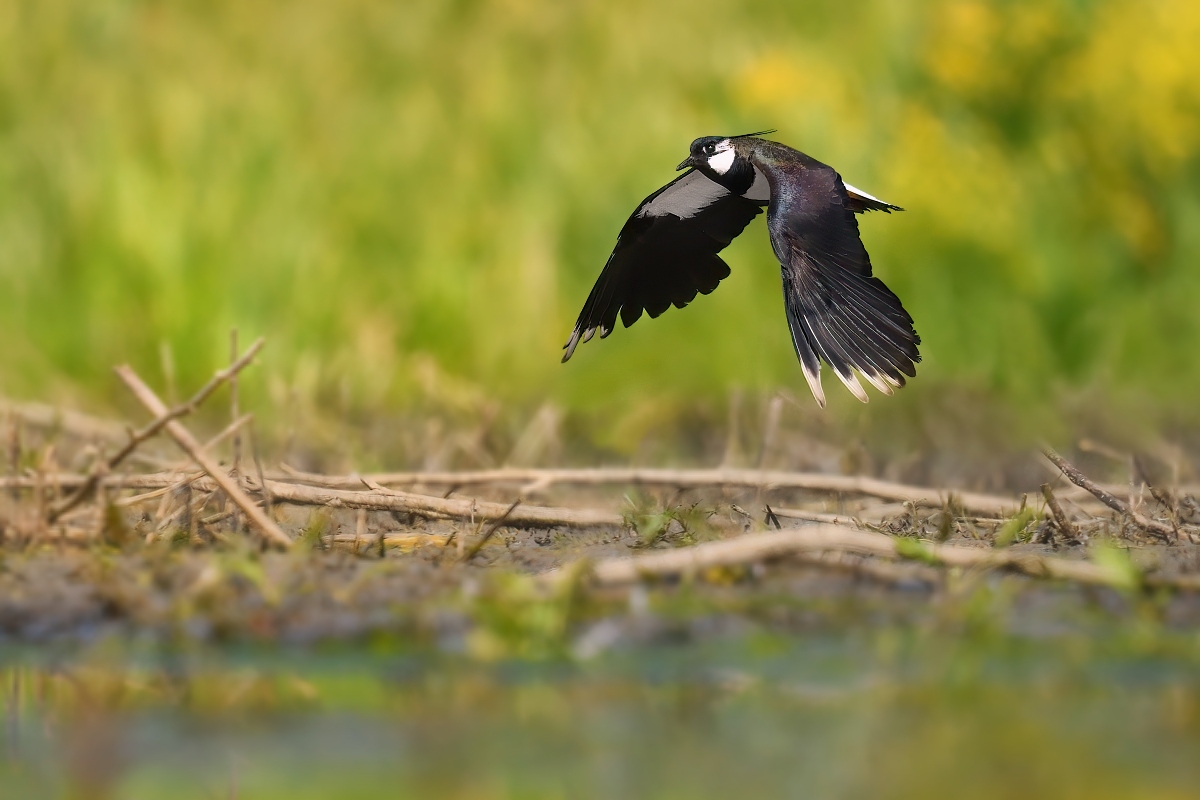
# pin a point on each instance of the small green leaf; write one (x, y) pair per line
(651, 527)
(1125, 575)
(310, 538)
(914, 549)
(1011, 531)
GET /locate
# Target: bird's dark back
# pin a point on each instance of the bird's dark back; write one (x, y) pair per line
(808, 205)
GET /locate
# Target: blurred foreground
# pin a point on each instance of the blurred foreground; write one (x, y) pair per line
(704, 705)
(414, 639)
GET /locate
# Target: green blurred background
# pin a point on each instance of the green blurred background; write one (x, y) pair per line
(412, 200)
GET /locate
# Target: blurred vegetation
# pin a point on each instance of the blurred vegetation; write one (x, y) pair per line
(412, 200)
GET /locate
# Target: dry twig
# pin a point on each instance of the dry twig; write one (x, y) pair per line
(746, 478)
(753, 548)
(495, 526)
(1153, 526)
(162, 420)
(188, 443)
(447, 508)
(137, 499)
(1066, 528)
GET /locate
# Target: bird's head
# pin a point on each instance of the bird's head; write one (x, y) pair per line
(710, 155)
(716, 155)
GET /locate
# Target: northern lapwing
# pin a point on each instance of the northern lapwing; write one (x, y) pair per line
(837, 310)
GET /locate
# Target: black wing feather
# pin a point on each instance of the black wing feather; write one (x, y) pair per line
(665, 255)
(837, 310)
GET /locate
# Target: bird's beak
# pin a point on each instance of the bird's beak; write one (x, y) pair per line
(687, 162)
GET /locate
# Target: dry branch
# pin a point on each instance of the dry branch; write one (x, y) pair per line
(162, 419)
(872, 568)
(754, 548)
(137, 499)
(193, 448)
(684, 478)
(379, 500)
(1153, 526)
(448, 508)
(69, 480)
(1066, 528)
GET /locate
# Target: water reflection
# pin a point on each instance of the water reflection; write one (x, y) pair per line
(828, 716)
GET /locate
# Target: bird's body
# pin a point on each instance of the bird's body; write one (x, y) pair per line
(837, 310)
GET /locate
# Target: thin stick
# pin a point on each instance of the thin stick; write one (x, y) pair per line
(162, 420)
(1165, 498)
(212, 519)
(819, 483)
(495, 526)
(268, 500)
(188, 443)
(753, 548)
(228, 431)
(773, 514)
(461, 544)
(165, 504)
(1066, 528)
(873, 568)
(154, 480)
(360, 527)
(452, 508)
(750, 478)
(772, 519)
(1162, 530)
(381, 500)
(193, 519)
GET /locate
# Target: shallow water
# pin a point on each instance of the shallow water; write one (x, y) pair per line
(895, 711)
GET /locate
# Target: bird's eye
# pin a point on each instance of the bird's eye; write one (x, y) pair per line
(709, 149)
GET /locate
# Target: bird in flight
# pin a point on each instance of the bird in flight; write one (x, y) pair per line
(838, 312)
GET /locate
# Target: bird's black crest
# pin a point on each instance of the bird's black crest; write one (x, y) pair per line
(756, 133)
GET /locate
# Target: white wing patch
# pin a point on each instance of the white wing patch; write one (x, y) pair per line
(685, 198)
(861, 193)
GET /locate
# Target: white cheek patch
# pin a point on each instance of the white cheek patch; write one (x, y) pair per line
(722, 161)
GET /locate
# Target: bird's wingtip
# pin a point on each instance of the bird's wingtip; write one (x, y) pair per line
(814, 382)
(880, 384)
(570, 346)
(851, 382)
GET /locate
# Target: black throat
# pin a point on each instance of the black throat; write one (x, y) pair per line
(739, 178)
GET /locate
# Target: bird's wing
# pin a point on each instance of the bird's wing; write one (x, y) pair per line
(838, 312)
(665, 254)
(860, 201)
